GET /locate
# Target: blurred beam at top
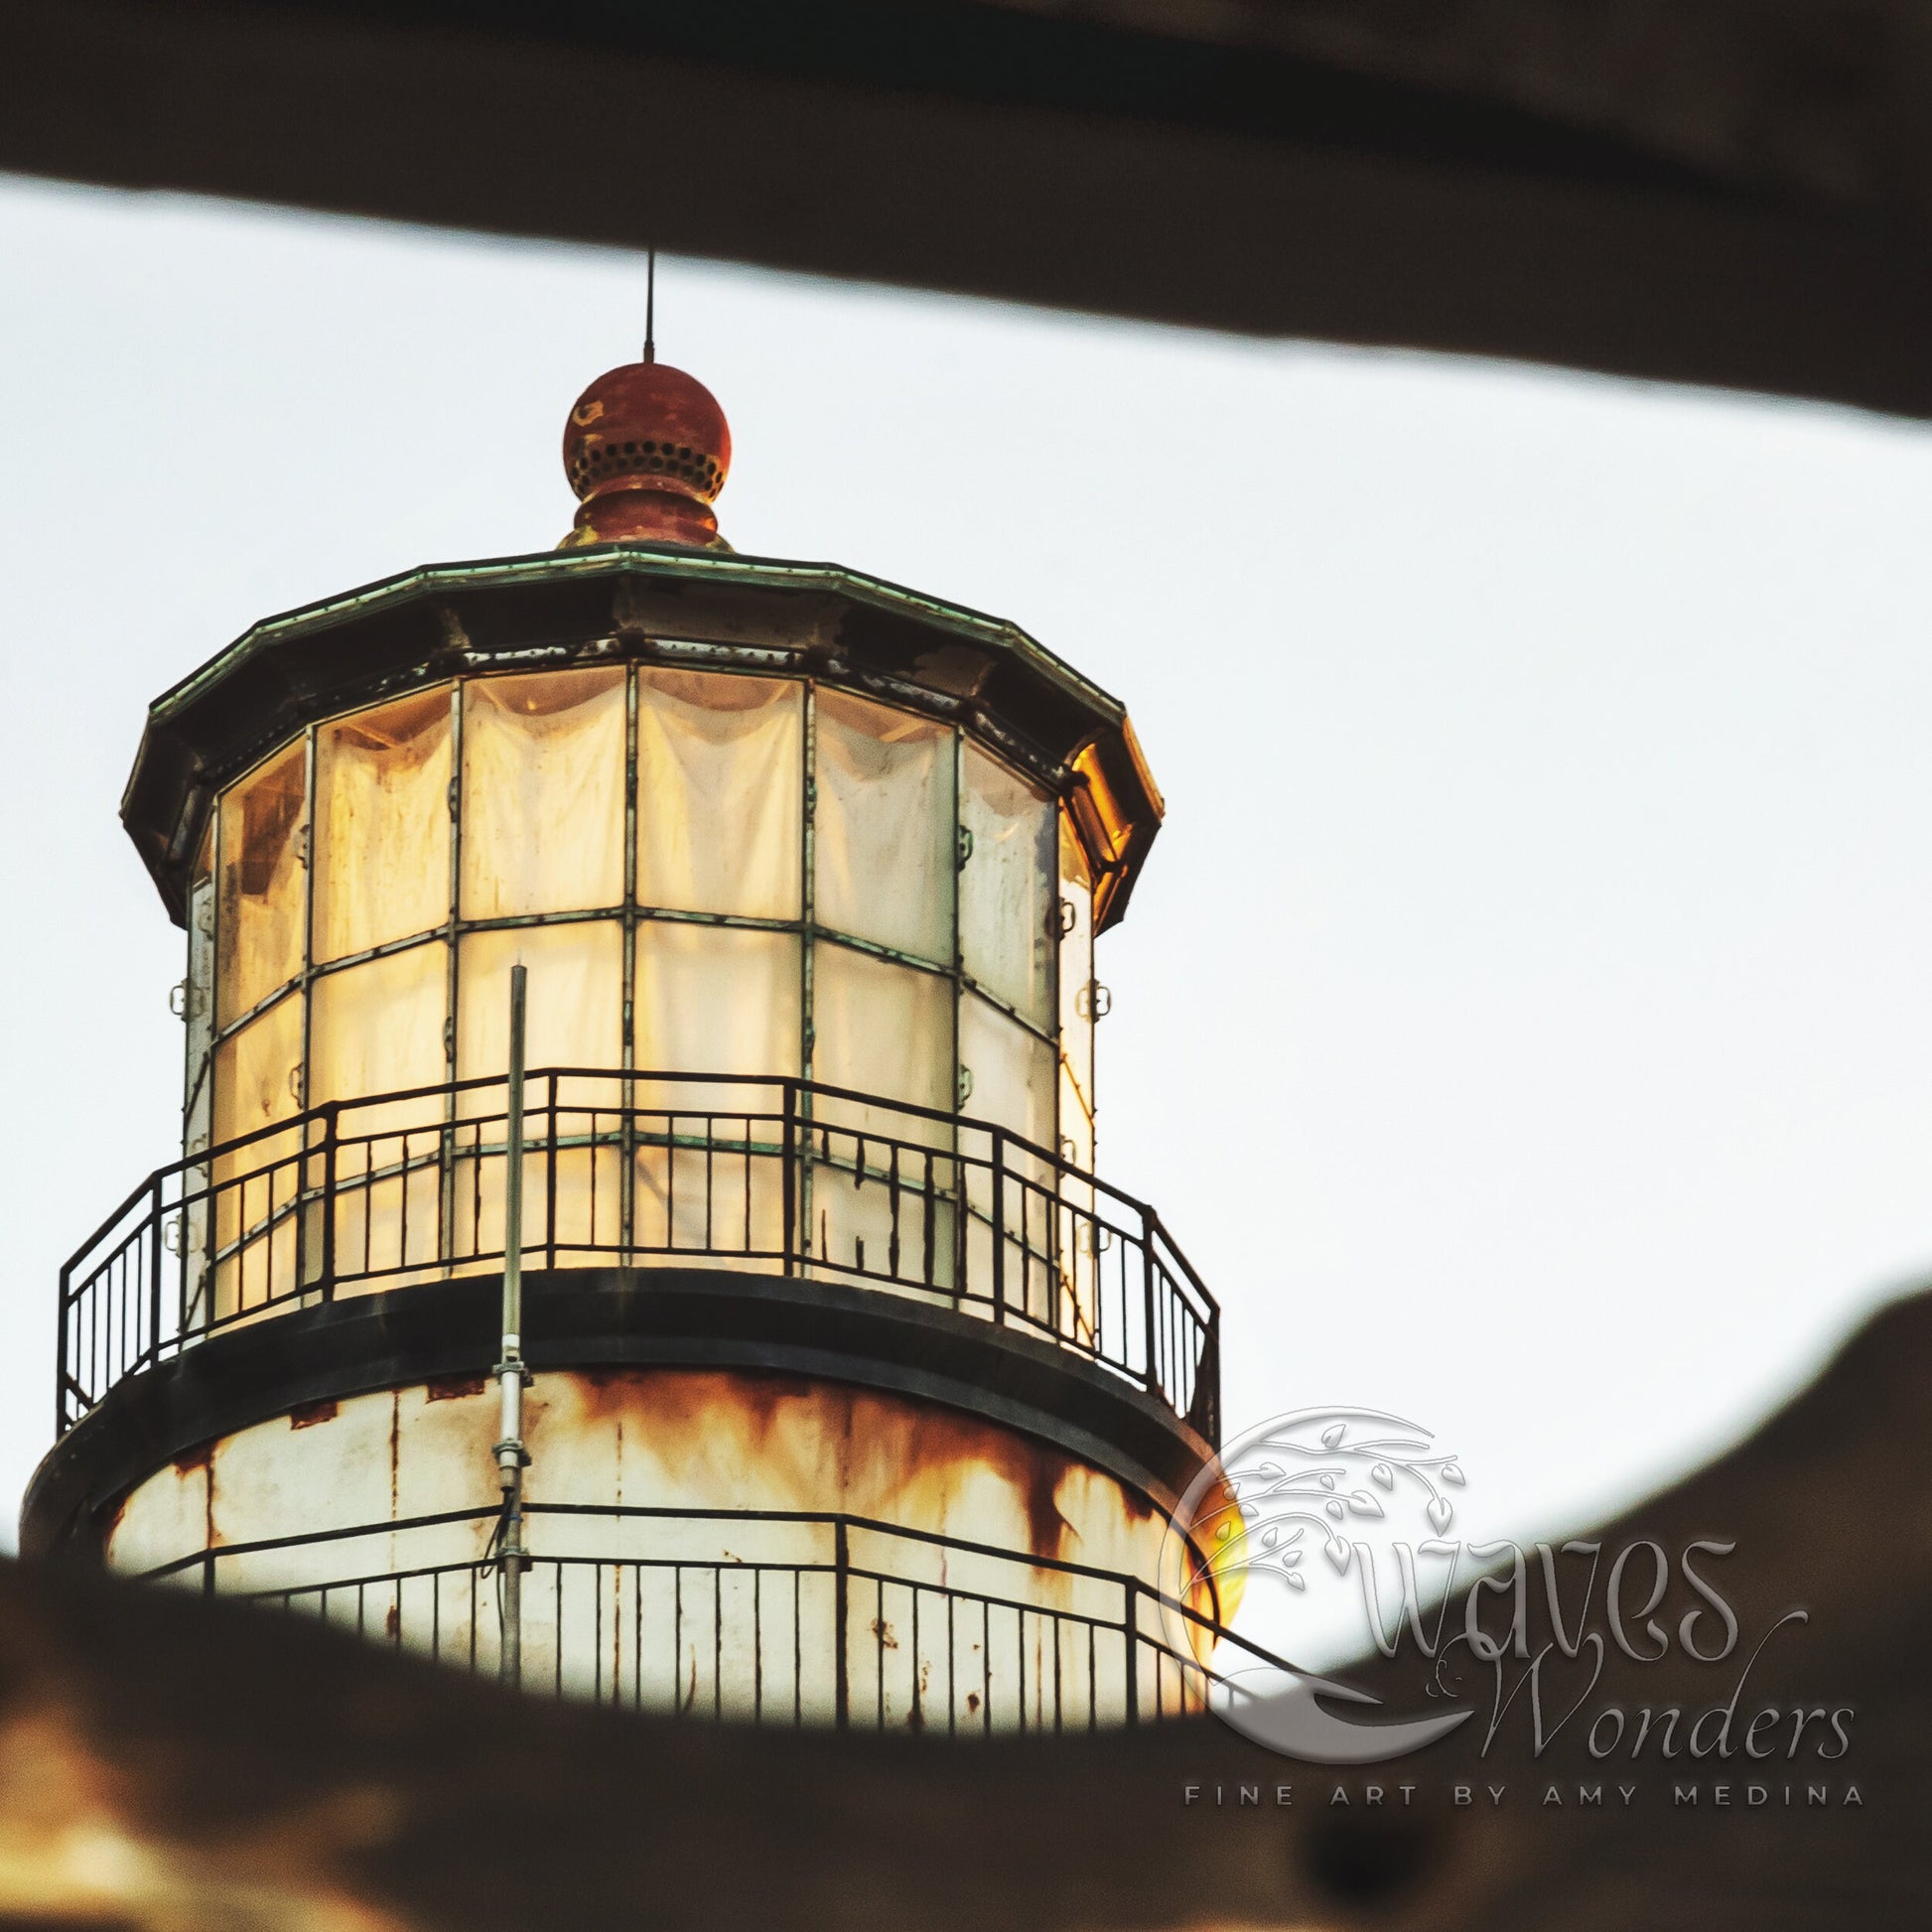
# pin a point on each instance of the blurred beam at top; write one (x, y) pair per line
(1722, 192)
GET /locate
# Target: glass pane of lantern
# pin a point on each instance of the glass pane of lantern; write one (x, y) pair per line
(542, 794)
(873, 1206)
(1009, 885)
(264, 883)
(378, 1029)
(1079, 1232)
(1077, 968)
(708, 1178)
(1076, 1124)
(259, 1071)
(382, 838)
(884, 1029)
(1012, 1084)
(251, 1230)
(574, 1017)
(574, 1004)
(719, 779)
(1013, 1072)
(717, 1000)
(886, 838)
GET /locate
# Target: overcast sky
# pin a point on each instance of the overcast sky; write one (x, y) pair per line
(1525, 1022)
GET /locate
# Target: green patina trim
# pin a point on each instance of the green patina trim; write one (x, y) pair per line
(993, 634)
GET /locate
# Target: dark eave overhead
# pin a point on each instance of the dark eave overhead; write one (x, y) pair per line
(658, 603)
(1716, 191)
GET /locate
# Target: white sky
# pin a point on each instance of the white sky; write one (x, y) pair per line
(1525, 1020)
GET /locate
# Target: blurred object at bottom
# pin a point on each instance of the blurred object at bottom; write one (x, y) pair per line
(172, 1763)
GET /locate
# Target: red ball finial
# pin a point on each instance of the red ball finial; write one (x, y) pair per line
(647, 450)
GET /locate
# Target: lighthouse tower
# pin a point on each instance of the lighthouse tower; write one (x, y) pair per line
(856, 1397)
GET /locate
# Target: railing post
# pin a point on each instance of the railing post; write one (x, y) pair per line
(1148, 1315)
(329, 1130)
(1211, 1374)
(550, 1185)
(157, 1247)
(841, 1578)
(61, 1352)
(789, 1158)
(999, 1229)
(1131, 1628)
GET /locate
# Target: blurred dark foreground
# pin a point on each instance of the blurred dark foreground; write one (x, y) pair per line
(170, 1763)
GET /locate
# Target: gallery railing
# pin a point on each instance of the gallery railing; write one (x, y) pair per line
(781, 1176)
(812, 1618)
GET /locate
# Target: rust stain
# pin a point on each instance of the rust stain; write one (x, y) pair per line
(200, 1460)
(895, 1455)
(884, 1632)
(610, 1392)
(395, 1454)
(392, 1623)
(311, 1413)
(452, 1388)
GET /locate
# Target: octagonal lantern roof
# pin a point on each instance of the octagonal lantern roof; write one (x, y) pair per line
(651, 602)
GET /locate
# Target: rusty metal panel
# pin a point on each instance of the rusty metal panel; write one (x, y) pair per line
(814, 1546)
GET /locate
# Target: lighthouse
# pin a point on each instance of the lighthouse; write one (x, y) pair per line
(855, 1396)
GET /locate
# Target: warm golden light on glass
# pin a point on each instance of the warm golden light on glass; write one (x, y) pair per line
(705, 872)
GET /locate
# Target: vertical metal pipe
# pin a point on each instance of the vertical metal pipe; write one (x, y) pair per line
(512, 1374)
(627, 1135)
(446, 1182)
(807, 966)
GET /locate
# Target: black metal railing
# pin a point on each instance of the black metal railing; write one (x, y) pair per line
(627, 1167)
(812, 1618)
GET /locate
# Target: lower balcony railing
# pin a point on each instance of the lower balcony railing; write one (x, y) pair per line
(811, 1618)
(627, 1168)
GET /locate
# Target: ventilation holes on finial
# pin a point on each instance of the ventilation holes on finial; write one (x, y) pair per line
(594, 465)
